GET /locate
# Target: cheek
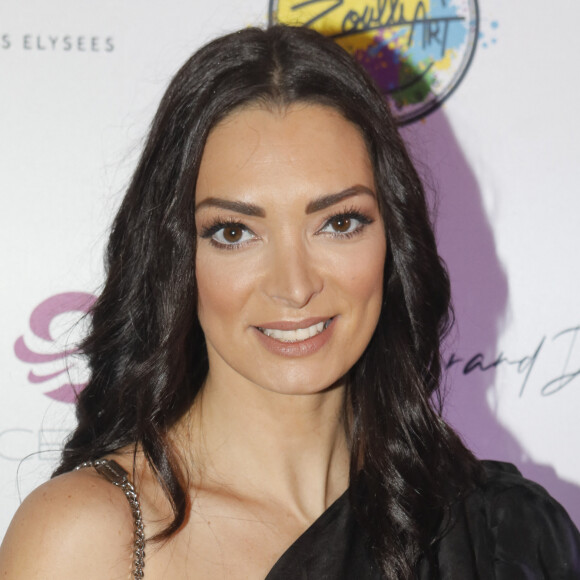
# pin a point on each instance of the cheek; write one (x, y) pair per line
(366, 271)
(222, 289)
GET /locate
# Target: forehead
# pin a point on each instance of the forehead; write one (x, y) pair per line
(302, 149)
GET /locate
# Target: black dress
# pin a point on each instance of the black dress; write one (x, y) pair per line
(509, 528)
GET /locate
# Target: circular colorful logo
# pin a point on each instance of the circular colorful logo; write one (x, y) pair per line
(417, 51)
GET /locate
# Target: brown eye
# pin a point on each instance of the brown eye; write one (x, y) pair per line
(230, 235)
(341, 224)
(233, 233)
(345, 225)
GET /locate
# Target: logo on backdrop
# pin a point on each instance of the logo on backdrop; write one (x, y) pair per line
(56, 43)
(53, 363)
(417, 51)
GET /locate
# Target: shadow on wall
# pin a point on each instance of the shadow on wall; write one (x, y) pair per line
(480, 297)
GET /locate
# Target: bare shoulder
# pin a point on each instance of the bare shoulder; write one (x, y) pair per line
(77, 525)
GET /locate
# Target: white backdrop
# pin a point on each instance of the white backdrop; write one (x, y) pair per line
(80, 81)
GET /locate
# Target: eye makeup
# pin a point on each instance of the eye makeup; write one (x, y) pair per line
(232, 234)
(345, 224)
(228, 234)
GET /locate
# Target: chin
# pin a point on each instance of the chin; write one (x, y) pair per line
(302, 384)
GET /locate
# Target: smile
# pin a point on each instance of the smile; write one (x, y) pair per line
(296, 335)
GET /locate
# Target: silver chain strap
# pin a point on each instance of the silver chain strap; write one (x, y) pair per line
(112, 471)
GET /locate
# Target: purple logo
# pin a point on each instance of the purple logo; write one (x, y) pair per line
(41, 319)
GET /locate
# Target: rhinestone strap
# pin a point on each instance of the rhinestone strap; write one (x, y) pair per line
(112, 471)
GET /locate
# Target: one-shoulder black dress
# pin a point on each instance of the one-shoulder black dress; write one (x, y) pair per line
(509, 528)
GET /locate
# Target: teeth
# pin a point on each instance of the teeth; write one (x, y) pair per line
(296, 335)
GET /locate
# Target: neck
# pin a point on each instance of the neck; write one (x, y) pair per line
(287, 448)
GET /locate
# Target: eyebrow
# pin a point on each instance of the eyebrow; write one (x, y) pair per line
(328, 200)
(236, 206)
(313, 207)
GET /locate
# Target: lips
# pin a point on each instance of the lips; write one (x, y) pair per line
(294, 334)
(296, 339)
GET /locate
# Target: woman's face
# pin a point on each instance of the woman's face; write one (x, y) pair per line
(291, 248)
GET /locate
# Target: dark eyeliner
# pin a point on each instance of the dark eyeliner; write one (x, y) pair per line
(217, 225)
(364, 220)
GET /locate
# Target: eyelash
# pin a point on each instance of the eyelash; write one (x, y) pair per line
(349, 214)
(219, 224)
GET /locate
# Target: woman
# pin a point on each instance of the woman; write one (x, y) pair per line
(265, 354)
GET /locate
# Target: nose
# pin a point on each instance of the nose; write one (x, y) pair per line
(292, 278)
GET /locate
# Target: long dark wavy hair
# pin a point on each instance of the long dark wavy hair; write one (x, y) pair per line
(146, 349)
